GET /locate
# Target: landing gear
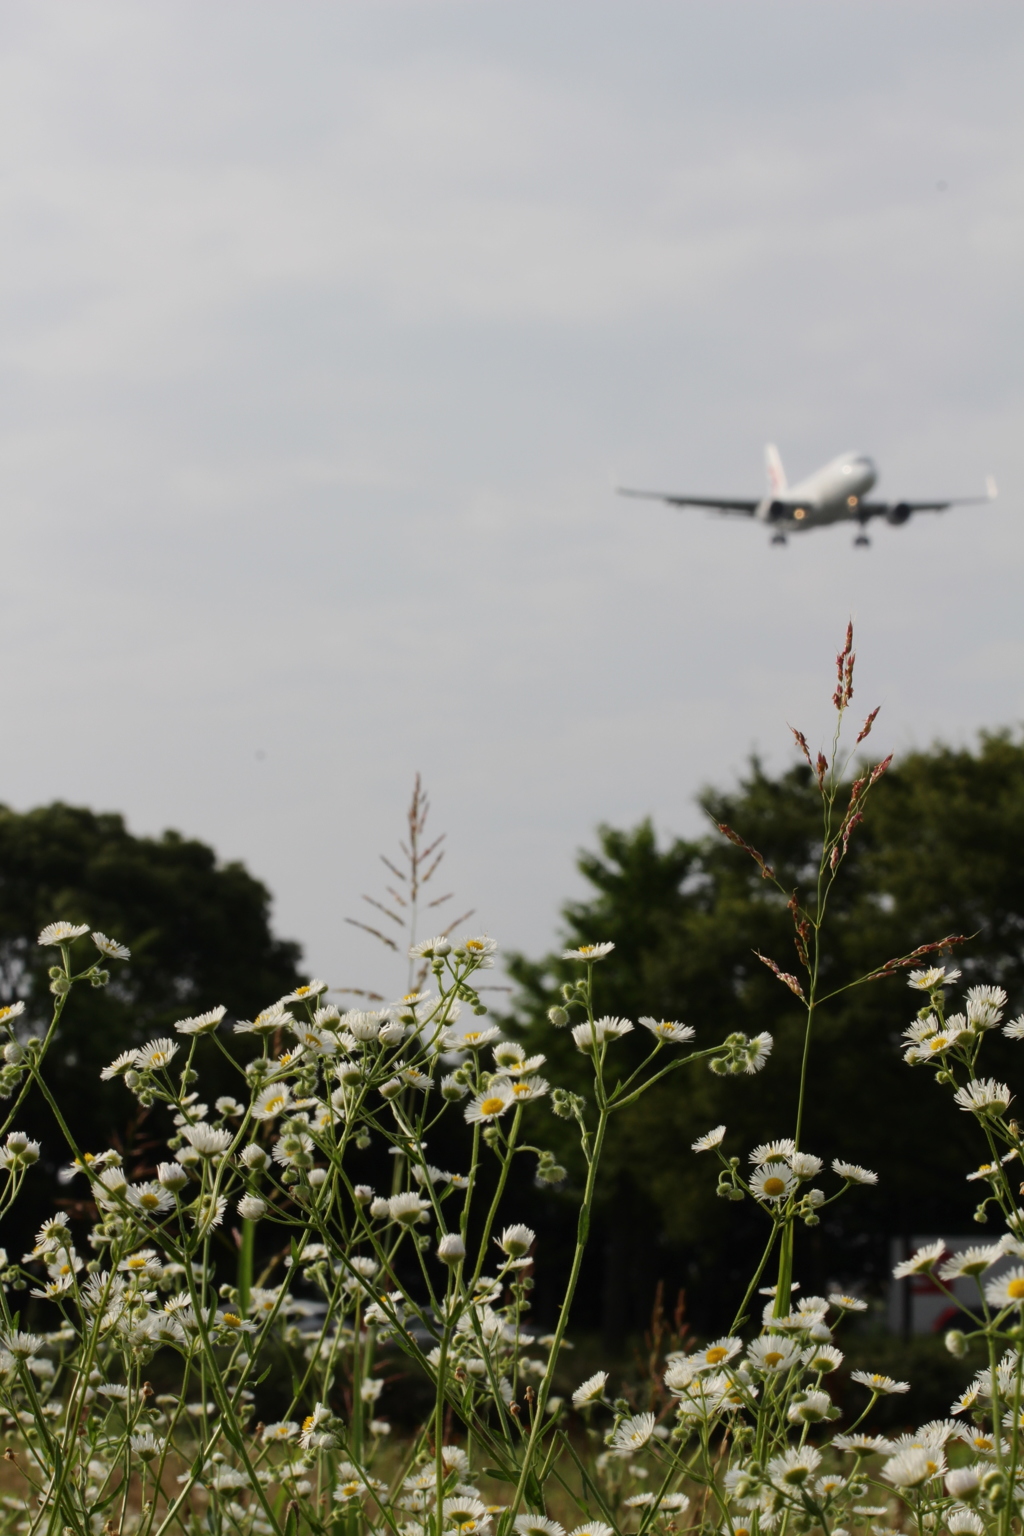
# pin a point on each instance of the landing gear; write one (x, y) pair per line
(861, 541)
(778, 538)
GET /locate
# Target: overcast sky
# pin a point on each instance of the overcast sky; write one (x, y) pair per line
(328, 332)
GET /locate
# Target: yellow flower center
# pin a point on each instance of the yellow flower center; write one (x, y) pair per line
(149, 1200)
(716, 1355)
(232, 1319)
(773, 1357)
(473, 944)
(307, 1423)
(492, 1106)
(301, 991)
(774, 1186)
(587, 949)
(1015, 1290)
(521, 1088)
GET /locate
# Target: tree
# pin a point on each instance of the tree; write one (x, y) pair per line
(938, 853)
(199, 932)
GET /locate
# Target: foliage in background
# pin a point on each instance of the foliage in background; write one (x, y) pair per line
(199, 932)
(940, 853)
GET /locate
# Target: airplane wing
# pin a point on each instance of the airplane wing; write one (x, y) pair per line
(899, 511)
(715, 503)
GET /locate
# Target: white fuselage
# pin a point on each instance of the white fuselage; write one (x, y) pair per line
(831, 495)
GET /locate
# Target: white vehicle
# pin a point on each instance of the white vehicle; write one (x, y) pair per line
(837, 493)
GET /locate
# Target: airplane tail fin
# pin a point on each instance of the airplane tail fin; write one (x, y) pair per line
(773, 465)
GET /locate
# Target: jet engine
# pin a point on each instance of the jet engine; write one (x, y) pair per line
(898, 514)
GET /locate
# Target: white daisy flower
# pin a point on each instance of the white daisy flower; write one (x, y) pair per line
(516, 1240)
(717, 1353)
(303, 994)
(471, 1039)
(773, 1181)
(537, 1525)
(1015, 1029)
(408, 1208)
(773, 1353)
(282, 1430)
(908, 1469)
(862, 1444)
(149, 1198)
(666, 1029)
(588, 1035)
(810, 1408)
(805, 1165)
(848, 1303)
(489, 1105)
(883, 1385)
(480, 950)
(61, 933)
(971, 1261)
(273, 1018)
(201, 1023)
(524, 1089)
(590, 1390)
(119, 1065)
(1007, 1290)
(634, 1432)
(111, 948)
(598, 1527)
(272, 1101)
(989, 1170)
(964, 1522)
(156, 1055)
(920, 1262)
(770, 1151)
(935, 976)
(207, 1140)
(794, 1466)
(822, 1358)
(146, 1445)
(431, 949)
(251, 1207)
(984, 1096)
(853, 1172)
(709, 1140)
(588, 952)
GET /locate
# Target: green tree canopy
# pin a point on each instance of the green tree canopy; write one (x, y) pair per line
(938, 853)
(199, 932)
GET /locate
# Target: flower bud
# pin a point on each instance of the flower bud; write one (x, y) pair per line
(317, 1177)
(363, 1194)
(172, 1176)
(379, 1208)
(451, 1249)
(956, 1343)
(13, 1053)
(251, 1207)
(391, 1089)
(558, 1017)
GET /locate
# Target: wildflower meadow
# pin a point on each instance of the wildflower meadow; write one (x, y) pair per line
(205, 1339)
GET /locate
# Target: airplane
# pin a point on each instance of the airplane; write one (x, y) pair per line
(837, 493)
